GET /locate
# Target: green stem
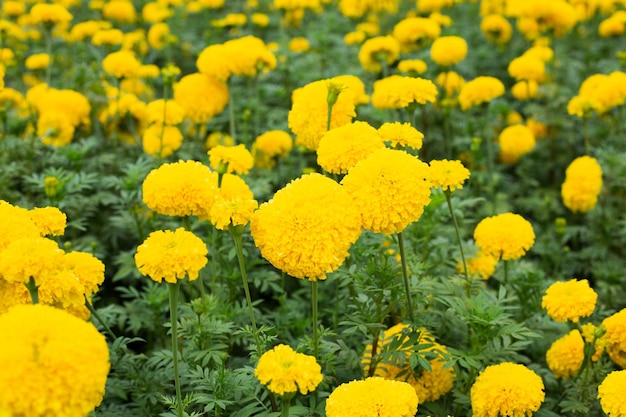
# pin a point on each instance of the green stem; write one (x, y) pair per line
(506, 272)
(231, 118)
(95, 314)
(237, 237)
(586, 134)
(33, 290)
(405, 276)
(314, 293)
(458, 239)
(286, 402)
(174, 290)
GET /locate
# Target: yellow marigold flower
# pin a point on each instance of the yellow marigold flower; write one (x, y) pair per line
(155, 12)
(307, 228)
(361, 398)
(213, 4)
(55, 128)
(107, 37)
(158, 35)
(286, 371)
(121, 64)
(527, 68)
(582, 185)
(415, 32)
(12, 294)
(2, 72)
(390, 189)
(506, 236)
(592, 334)
(260, 19)
(201, 96)
(237, 159)
(566, 355)
(299, 44)
(377, 50)
(482, 265)
(506, 389)
(451, 82)
(232, 211)
(401, 134)
(13, 8)
(269, 146)
(49, 14)
(542, 52)
(614, 25)
(428, 385)
(569, 300)
(525, 90)
(15, 222)
(54, 364)
(37, 61)
(412, 67)
(496, 28)
(355, 85)
(449, 175)
(244, 56)
(341, 148)
(161, 141)
(83, 30)
(183, 188)
(230, 20)
(448, 50)
(167, 112)
(49, 220)
(87, 270)
(30, 257)
(122, 11)
(480, 90)
(171, 255)
(615, 337)
(354, 38)
(308, 116)
(611, 394)
(515, 141)
(69, 102)
(218, 138)
(397, 91)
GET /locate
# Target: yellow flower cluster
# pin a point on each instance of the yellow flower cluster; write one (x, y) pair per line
(234, 159)
(49, 14)
(428, 385)
(398, 91)
(599, 93)
(359, 8)
(566, 355)
(60, 113)
(308, 116)
(377, 51)
(390, 188)
(449, 175)
(270, 146)
(611, 394)
(506, 389)
(202, 97)
(53, 364)
(412, 67)
(373, 396)
(121, 64)
(448, 50)
(171, 255)
(401, 134)
(286, 371)
(307, 228)
(183, 188)
(582, 185)
(415, 32)
(342, 148)
(615, 337)
(505, 236)
(235, 203)
(480, 90)
(515, 141)
(569, 300)
(451, 82)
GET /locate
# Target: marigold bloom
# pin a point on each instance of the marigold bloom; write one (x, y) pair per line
(37, 61)
(30, 257)
(496, 28)
(480, 90)
(49, 220)
(377, 50)
(566, 355)
(527, 68)
(449, 175)
(16, 222)
(286, 371)
(376, 395)
(451, 82)
(355, 85)
(582, 185)
(506, 236)
(218, 138)
(237, 158)
(390, 189)
(525, 90)
(308, 116)
(414, 32)
(611, 394)
(482, 265)
(201, 96)
(183, 188)
(121, 64)
(107, 37)
(401, 134)
(397, 91)
(342, 148)
(55, 128)
(592, 334)
(615, 337)
(299, 44)
(307, 228)
(167, 112)
(412, 67)
(155, 12)
(49, 14)
(428, 385)
(161, 141)
(232, 212)
(171, 255)
(569, 300)
(506, 389)
(122, 11)
(53, 364)
(244, 56)
(614, 25)
(448, 50)
(515, 141)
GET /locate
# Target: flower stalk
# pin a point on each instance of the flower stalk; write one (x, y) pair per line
(405, 276)
(173, 295)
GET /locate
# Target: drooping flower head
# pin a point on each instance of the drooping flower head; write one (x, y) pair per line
(286, 371)
(506, 389)
(171, 255)
(378, 51)
(448, 50)
(615, 337)
(234, 205)
(53, 364)
(401, 134)
(449, 175)
(342, 148)
(506, 236)
(611, 394)
(566, 355)
(569, 300)
(390, 189)
(307, 228)
(237, 159)
(582, 185)
(398, 91)
(372, 396)
(183, 188)
(480, 90)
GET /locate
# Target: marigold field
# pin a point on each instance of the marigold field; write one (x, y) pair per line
(342, 208)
